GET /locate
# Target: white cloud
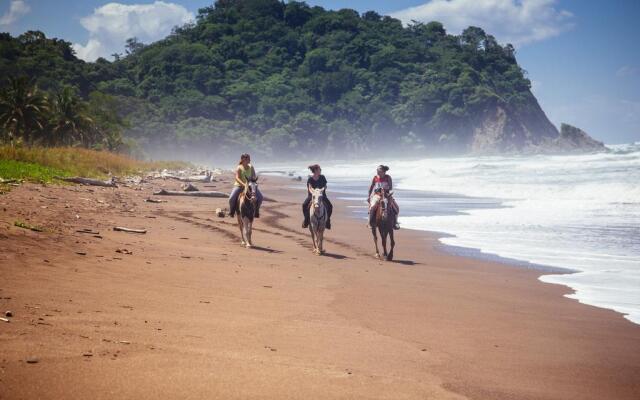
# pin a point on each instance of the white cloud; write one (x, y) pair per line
(112, 24)
(627, 70)
(17, 9)
(511, 21)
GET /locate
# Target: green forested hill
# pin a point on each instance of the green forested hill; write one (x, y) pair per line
(286, 78)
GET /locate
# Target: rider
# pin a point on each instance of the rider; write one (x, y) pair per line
(316, 181)
(244, 174)
(382, 181)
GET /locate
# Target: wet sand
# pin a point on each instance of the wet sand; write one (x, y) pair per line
(184, 312)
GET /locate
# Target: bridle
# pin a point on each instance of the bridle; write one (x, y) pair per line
(383, 208)
(317, 205)
(249, 191)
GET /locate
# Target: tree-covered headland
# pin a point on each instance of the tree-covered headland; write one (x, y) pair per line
(281, 79)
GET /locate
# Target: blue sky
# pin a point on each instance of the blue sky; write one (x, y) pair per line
(583, 57)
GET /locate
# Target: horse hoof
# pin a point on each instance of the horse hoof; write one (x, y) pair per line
(377, 256)
(243, 243)
(248, 245)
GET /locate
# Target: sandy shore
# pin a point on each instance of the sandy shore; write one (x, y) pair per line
(185, 312)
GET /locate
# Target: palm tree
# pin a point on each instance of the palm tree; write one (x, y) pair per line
(70, 122)
(23, 110)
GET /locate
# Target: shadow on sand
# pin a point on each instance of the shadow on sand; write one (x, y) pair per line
(335, 256)
(267, 250)
(404, 262)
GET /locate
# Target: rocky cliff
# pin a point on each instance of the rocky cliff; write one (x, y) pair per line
(526, 129)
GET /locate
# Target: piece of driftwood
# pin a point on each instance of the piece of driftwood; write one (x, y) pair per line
(155, 201)
(189, 187)
(88, 181)
(129, 230)
(164, 192)
(4, 319)
(206, 178)
(27, 226)
(89, 231)
(9, 181)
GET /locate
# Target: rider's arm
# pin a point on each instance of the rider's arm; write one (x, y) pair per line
(373, 183)
(390, 184)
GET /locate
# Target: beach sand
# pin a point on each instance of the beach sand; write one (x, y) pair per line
(184, 311)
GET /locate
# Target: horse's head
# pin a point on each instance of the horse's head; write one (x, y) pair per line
(316, 197)
(251, 190)
(384, 203)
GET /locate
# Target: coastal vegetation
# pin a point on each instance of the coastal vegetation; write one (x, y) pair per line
(58, 118)
(273, 77)
(43, 164)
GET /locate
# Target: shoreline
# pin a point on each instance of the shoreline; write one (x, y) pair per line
(470, 252)
(276, 321)
(547, 271)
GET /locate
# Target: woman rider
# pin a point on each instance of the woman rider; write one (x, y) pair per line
(379, 182)
(244, 174)
(316, 181)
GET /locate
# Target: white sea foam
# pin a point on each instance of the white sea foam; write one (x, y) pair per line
(580, 212)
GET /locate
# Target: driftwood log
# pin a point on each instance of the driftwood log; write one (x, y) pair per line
(164, 192)
(88, 181)
(129, 230)
(207, 178)
(189, 187)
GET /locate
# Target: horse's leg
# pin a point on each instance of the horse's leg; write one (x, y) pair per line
(393, 244)
(313, 237)
(320, 239)
(375, 240)
(383, 237)
(247, 231)
(242, 242)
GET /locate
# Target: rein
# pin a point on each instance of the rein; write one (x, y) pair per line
(321, 206)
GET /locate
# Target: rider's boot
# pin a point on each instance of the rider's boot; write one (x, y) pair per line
(396, 225)
(232, 211)
(305, 223)
(257, 214)
(328, 225)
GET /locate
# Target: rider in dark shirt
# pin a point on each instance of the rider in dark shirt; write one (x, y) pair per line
(316, 181)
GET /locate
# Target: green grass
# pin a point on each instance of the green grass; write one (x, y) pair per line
(11, 169)
(41, 164)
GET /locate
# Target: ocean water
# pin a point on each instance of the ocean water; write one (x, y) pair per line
(574, 212)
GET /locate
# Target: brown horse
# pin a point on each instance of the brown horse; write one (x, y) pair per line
(383, 220)
(247, 204)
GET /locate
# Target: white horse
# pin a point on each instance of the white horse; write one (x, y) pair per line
(247, 204)
(319, 216)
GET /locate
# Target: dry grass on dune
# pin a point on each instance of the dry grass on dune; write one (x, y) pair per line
(77, 161)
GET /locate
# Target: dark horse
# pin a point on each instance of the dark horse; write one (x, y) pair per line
(247, 204)
(383, 221)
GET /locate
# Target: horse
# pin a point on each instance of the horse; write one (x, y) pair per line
(247, 204)
(318, 220)
(383, 221)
